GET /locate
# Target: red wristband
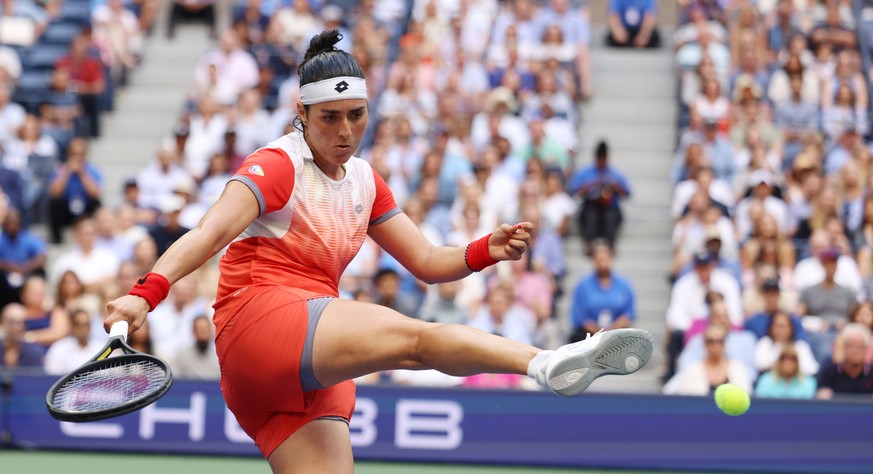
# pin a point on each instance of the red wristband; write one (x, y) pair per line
(153, 287)
(476, 257)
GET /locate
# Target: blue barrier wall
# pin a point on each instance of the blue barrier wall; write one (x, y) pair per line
(493, 427)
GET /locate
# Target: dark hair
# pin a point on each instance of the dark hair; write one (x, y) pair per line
(323, 60)
(602, 150)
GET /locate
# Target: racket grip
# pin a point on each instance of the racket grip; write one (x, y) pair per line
(119, 328)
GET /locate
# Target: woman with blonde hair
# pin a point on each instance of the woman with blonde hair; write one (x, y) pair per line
(785, 379)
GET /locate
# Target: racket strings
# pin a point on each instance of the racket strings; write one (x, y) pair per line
(110, 386)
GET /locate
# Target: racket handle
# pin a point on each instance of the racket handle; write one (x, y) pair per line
(119, 328)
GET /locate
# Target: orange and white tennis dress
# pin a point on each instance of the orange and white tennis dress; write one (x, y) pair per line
(278, 276)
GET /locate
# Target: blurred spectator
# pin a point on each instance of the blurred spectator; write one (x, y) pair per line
(67, 354)
(832, 31)
(761, 184)
(172, 320)
(107, 236)
(601, 188)
(44, 325)
(168, 228)
(15, 351)
(93, 266)
(158, 179)
(501, 316)
(549, 151)
(10, 63)
(74, 189)
(200, 10)
(386, 284)
(702, 378)
(206, 132)
(827, 304)
(11, 114)
(851, 375)
(701, 178)
(785, 379)
(774, 302)
(811, 271)
(739, 344)
(61, 114)
(603, 299)
(117, 33)
(21, 253)
(295, 20)
(198, 361)
(441, 306)
(711, 103)
(21, 22)
(141, 339)
(251, 122)
(88, 79)
(534, 291)
(796, 115)
(632, 23)
(558, 206)
(780, 334)
(573, 24)
(231, 63)
(34, 154)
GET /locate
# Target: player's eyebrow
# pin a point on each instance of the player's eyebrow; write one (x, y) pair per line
(332, 111)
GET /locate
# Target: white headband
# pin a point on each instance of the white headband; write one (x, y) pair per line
(335, 88)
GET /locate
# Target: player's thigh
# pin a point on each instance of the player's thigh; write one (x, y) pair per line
(355, 338)
(321, 446)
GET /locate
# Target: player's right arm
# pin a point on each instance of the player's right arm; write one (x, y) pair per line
(228, 218)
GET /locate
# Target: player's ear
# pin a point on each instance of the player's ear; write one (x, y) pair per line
(301, 111)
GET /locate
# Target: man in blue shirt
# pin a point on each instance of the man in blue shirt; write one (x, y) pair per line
(603, 299)
(632, 24)
(21, 253)
(14, 351)
(74, 189)
(601, 189)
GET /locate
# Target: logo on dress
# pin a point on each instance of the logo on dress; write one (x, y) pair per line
(256, 169)
(341, 86)
(358, 208)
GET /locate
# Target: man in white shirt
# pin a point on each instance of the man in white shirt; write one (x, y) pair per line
(810, 271)
(11, 114)
(67, 354)
(93, 265)
(198, 360)
(171, 321)
(160, 177)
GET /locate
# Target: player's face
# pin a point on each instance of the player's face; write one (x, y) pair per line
(334, 130)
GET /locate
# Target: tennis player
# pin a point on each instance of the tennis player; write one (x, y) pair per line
(292, 217)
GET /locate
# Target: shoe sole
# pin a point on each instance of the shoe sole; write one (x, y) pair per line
(619, 352)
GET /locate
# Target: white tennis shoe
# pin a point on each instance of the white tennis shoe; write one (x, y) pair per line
(574, 366)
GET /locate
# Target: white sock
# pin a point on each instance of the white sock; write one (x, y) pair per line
(537, 366)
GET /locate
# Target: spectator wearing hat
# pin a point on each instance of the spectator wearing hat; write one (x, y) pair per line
(721, 243)
(810, 270)
(688, 301)
(761, 183)
(632, 24)
(773, 300)
(602, 300)
(703, 179)
(826, 305)
(601, 188)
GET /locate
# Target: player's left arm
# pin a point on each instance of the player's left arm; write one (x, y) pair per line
(400, 237)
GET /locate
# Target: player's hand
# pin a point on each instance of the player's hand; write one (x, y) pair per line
(130, 308)
(509, 242)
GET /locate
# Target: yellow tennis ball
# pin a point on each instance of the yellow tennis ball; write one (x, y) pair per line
(731, 399)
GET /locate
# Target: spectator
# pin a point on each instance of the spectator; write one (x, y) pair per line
(501, 316)
(200, 10)
(93, 266)
(109, 238)
(632, 23)
(251, 122)
(21, 22)
(141, 339)
(10, 62)
(231, 63)
(702, 378)
(739, 344)
(294, 21)
(785, 379)
(558, 206)
(168, 229)
(832, 31)
(852, 375)
(43, 325)
(117, 32)
(198, 361)
(780, 334)
(15, 351)
(828, 304)
(206, 134)
(441, 305)
(74, 189)
(601, 188)
(11, 114)
(810, 271)
(86, 76)
(388, 293)
(701, 179)
(603, 299)
(67, 354)
(796, 116)
(21, 253)
(158, 179)
(172, 320)
(761, 183)
(535, 291)
(774, 301)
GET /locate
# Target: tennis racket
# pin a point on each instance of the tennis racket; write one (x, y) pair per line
(118, 380)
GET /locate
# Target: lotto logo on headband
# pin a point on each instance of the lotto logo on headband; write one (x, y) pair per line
(335, 88)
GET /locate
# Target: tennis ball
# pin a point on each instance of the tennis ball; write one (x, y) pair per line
(731, 399)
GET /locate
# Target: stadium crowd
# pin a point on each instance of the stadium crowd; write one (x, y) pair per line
(468, 130)
(772, 274)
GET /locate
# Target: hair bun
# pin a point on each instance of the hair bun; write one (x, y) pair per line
(322, 42)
